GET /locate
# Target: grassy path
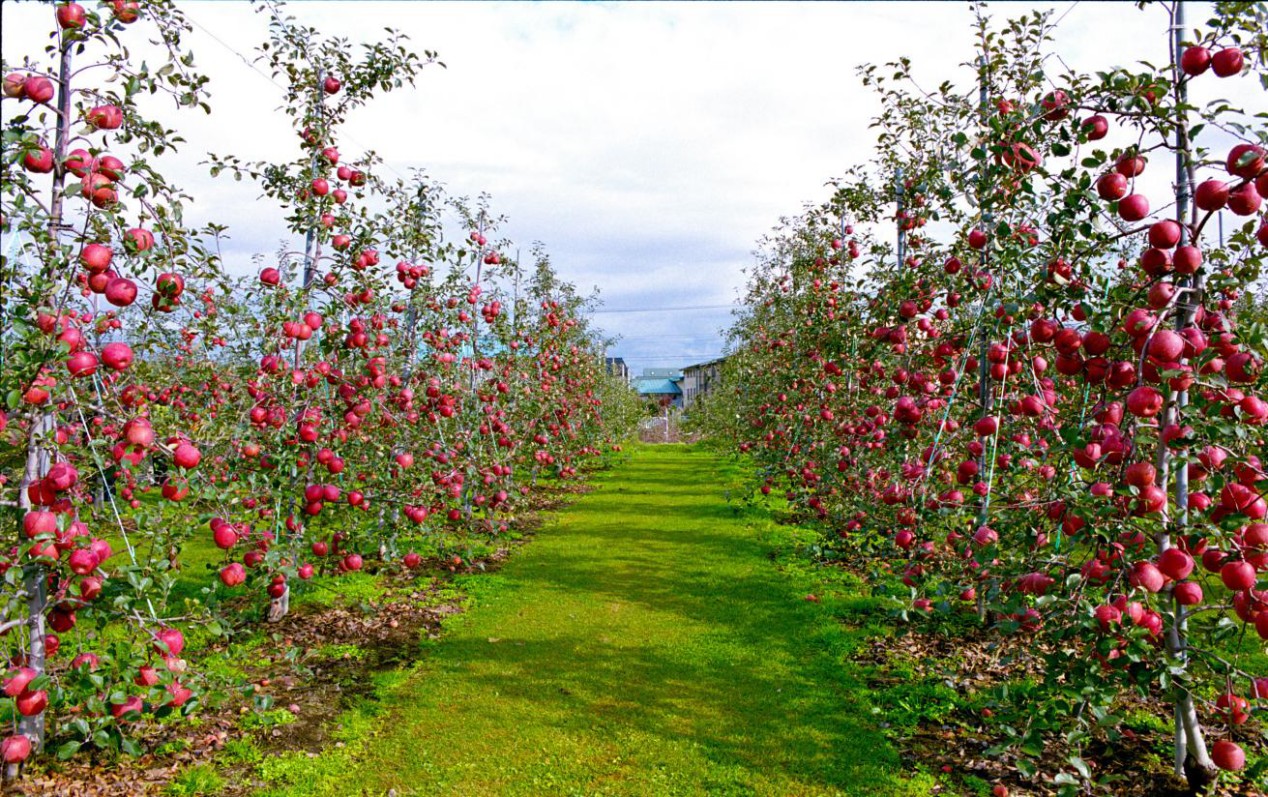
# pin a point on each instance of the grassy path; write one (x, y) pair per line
(644, 644)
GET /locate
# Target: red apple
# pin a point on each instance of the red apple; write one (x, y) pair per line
(1095, 127)
(1227, 62)
(1111, 186)
(1188, 593)
(1055, 106)
(126, 11)
(233, 574)
(1165, 234)
(1245, 160)
(38, 88)
(186, 456)
(15, 749)
(1133, 207)
(1237, 575)
(18, 681)
(96, 257)
(71, 16)
(81, 364)
(1211, 195)
(1227, 755)
(121, 292)
(1244, 200)
(31, 703)
(105, 117)
(1195, 60)
(39, 161)
(1130, 165)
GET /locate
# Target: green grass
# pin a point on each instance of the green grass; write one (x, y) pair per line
(196, 781)
(653, 640)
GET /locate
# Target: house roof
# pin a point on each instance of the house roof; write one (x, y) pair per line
(704, 364)
(657, 387)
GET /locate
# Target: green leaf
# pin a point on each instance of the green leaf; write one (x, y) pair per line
(68, 749)
(1081, 766)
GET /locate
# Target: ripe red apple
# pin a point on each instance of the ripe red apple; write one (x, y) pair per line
(138, 240)
(186, 456)
(38, 88)
(1111, 186)
(146, 676)
(18, 681)
(81, 364)
(1166, 345)
(352, 561)
(1227, 755)
(39, 522)
(111, 167)
(1095, 127)
(1211, 195)
(977, 239)
(117, 356)
(1133, 207)
(1175, 564)
(1227, 62)
(170, 285)
(412, 560)
(96, 257)
(1245, 160)
(121, 292)
(1187, 260)
(270, 276)
(1244, 200)
(15, 749)
(1195, 60)
(31, 703)
(172, 638)
(233, 574)
(126, 11)
(1188, 593)
(1165, 234)
(39, 160)
(1238, 575)
(225, 536)
(1055, 106)
(331, 85)
(1145, 402)
(1130, 165)
(105, 117)
(71, 16)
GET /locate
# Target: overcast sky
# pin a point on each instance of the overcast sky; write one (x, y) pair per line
(647, 145)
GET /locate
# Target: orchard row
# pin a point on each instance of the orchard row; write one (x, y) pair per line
(1044, 408)
(381, 384)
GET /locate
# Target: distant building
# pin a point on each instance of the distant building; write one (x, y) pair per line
(616, 367)
(660, 384)
(699, 379)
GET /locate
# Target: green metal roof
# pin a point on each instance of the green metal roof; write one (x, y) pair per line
(656, 387)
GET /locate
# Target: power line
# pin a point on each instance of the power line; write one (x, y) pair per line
(664, 309)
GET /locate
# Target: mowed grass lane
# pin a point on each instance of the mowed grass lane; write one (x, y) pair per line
(643, 644)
